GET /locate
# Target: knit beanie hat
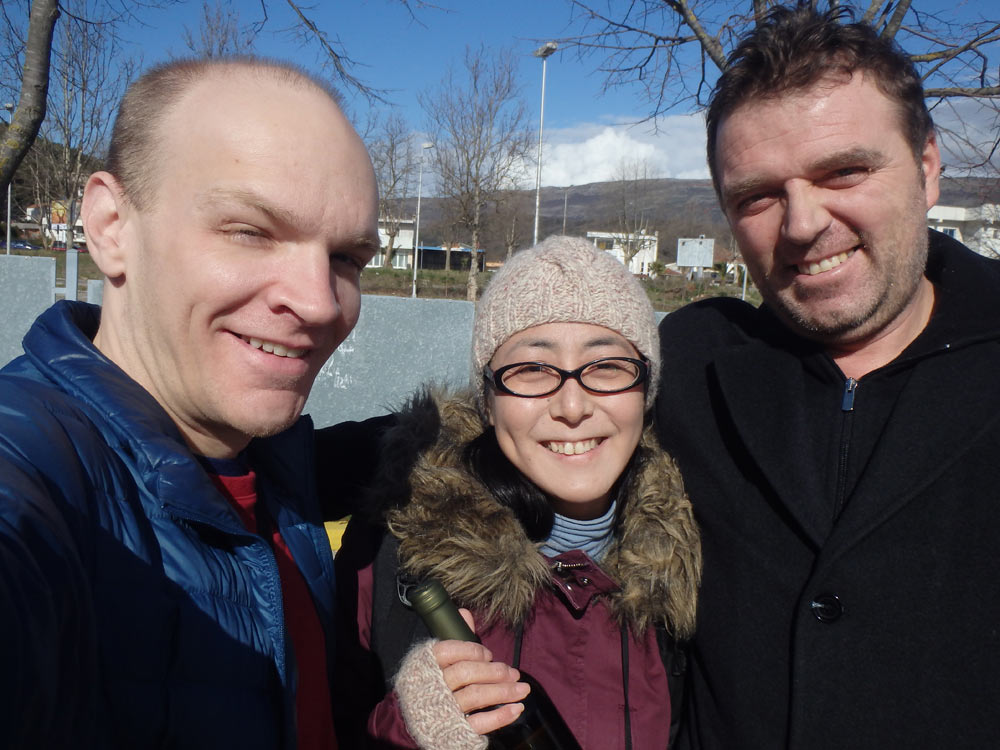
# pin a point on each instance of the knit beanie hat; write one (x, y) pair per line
(563, 280)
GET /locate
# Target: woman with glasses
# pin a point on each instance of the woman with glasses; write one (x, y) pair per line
(542, 502)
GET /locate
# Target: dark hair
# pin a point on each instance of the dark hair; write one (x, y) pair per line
(512, 489)
(793, 48)
(136, 150)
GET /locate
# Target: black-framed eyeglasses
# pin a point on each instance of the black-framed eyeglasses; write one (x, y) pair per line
(537, 379)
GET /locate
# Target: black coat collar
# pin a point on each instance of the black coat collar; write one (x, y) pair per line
(761, 386)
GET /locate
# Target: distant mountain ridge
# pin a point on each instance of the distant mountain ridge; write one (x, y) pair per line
(674, 195)
(668, 197)
(675, 207)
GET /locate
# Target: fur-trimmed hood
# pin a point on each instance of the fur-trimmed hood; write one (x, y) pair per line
(453, 529)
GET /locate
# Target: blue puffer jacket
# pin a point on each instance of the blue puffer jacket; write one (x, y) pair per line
(135, 609)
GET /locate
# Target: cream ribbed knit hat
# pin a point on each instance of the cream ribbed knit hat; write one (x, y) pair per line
(563, 280)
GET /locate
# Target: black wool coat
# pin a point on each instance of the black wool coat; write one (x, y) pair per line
(851, 589)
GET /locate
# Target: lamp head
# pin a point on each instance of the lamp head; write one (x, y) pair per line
(545, 50)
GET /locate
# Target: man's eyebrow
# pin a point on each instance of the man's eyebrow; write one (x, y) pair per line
(367, 242)
(851, 157)
(251, 199)
(738, 189)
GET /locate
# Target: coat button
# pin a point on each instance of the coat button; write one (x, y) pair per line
(827, 607)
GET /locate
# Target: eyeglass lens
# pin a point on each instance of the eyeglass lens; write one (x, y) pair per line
(608, 375)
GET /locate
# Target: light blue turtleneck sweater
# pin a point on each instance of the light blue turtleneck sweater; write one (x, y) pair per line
(592, 537)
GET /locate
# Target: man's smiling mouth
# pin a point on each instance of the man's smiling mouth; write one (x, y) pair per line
(812, 269)
(272, 348)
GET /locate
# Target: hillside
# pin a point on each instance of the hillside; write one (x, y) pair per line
(676, 208)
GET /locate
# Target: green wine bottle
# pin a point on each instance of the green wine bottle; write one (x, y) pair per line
(539, 727)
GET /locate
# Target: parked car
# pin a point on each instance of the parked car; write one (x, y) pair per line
(61, 247)
(19, 245)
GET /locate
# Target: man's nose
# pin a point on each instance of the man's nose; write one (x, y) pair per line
(306, 286)
(806, 216)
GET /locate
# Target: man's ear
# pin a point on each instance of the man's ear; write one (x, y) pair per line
(930, 163)
(105, 212)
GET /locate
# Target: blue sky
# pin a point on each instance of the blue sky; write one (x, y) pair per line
(588, 132)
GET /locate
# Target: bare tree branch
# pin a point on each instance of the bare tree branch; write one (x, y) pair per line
(709, 43)
(88, 76)
(633, 217)
(219, 32)
(674, 50)
(394, 156)
(31, 102)
(973, 93)
(482, 138)
(335, 54)
(35, 47)
(892, 28)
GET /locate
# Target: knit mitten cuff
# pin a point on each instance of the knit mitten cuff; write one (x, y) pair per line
(429, 707)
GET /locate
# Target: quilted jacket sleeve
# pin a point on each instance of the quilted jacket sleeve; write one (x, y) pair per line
(47, 626)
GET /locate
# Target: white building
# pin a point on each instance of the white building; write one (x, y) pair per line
(615, 243)
(978, 227)
(402, 248)
(52, 221)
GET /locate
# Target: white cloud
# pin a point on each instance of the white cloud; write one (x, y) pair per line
(593, 152)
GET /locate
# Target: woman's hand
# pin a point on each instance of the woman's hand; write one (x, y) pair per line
(479, 683)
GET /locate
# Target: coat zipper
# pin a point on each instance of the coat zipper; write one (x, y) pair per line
(846, 422)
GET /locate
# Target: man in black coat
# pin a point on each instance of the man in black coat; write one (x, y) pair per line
(840, 442)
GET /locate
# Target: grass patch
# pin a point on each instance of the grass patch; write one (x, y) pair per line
(667, 293)
(435, 284)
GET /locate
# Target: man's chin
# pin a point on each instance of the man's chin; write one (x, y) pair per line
(268, 430)
(268, 419)
(829, 327)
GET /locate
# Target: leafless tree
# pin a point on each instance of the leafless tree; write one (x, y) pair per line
(394, 156)
(633, 215)
(26, 32)
(482, 137)
(219, 32)
(32, 93)
(513, 220)
(88, 76)
(673, 50)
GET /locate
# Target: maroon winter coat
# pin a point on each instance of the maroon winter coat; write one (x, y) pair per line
(568, 608)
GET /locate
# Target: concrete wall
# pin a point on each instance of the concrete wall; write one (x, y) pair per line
(398, 345)
(26, 289)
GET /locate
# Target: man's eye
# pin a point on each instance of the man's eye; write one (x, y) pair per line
(754, 204)
(346, 259)
(244, 233)
(846, 177)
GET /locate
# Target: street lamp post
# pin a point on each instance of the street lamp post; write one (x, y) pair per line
(565, 205)
(9, 106)
(543, 52)
(416, 234)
